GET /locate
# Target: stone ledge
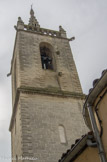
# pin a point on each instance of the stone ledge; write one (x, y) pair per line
(30, 31)
(51, 91)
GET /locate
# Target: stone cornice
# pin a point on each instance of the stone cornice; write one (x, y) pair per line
(43, 34)
(51, 91)
(42, 91)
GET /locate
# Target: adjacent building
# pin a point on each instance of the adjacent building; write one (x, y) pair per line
(92, 147)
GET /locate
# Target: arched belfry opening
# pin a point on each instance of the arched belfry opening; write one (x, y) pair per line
(46, 53)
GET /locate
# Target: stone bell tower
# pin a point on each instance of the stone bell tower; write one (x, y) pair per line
(46, 94)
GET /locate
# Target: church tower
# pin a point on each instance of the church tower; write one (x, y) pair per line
(47, 97)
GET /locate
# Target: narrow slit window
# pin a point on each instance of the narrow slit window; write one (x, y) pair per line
(62, 134)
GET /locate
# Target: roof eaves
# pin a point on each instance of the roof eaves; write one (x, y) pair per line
(75, 150)
(98, 86)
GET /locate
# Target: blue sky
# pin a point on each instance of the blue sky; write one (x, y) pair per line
(84, 19)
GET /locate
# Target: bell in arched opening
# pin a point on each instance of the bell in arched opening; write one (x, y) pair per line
(46, 58)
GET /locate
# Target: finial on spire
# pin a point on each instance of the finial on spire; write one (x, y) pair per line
(33, 21)
(31, 5)
(62, 31)
(31, 11)
(20, 23)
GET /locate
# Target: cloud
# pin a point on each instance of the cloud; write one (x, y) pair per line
(86, 20)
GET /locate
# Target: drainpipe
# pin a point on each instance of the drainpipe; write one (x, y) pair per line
(96, 134)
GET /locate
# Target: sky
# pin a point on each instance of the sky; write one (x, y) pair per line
(84, 19)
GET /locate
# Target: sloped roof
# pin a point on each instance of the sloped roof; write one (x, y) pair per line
(76, 149)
